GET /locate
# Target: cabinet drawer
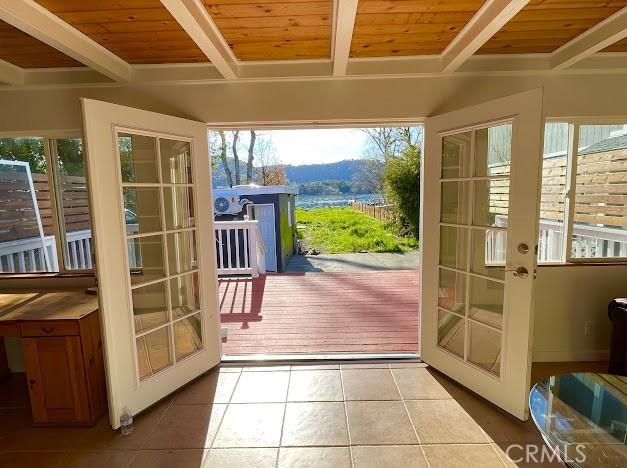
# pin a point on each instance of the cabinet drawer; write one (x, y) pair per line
(49, 328)
(9, 329)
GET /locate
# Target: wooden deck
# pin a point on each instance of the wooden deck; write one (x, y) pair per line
(369, 312)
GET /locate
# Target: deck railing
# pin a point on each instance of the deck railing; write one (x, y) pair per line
(239, 248)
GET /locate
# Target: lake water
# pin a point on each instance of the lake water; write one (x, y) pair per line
(325, 201)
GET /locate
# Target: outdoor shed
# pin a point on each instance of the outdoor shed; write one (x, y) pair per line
(273, 206)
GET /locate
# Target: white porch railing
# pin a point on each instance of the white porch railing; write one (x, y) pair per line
(239, 248)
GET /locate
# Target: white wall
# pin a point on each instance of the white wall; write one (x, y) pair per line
(566, 298)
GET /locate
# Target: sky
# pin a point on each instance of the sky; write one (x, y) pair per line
(314, 146)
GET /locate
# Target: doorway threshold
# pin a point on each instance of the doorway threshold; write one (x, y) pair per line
(258, 359)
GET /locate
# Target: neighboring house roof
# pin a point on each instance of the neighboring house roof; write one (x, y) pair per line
(609, 144)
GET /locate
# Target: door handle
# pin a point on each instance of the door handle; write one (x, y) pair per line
(520, 272)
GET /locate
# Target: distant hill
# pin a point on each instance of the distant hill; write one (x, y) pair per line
(346, 170)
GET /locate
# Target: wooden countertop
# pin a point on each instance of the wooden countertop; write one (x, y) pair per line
(63, 305)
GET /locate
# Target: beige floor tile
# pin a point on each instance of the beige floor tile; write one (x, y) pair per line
(318, 457)
(186, 426)
(190, 458)
(454, 456)
(251, 425)
(315, 385)
(388, 456)
(369, 384)
(301, 367)
(379, 423)
(418, 384)
(241, 458)
(443, 422)
(265, 368)
(98, 459)
(227, 368)
(366, 365)
(315, 424)
(403, 365)
(213, 387)
(261, 387)
(530, 455)
(31, 459)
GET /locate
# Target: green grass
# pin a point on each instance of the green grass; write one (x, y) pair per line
(344, 230)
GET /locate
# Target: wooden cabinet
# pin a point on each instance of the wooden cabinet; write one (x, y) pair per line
(63, 359)
(64, 370)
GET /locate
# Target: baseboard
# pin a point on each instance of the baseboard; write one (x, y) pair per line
(566, 355)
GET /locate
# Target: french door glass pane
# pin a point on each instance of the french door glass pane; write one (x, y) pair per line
(176, 162)
(187, 336)
(182, 252)
(451, 333)
(491, 202)
(453, 247)
(138, 158)
(456, 155)
(184, 295)
(179, 207)
(486, 301)
(493, 150)
(150, 306)
(488, 251)
(484, 348)
(454, 202)
(452, 291)
(146, 259)
(153, 352)
(142, 210)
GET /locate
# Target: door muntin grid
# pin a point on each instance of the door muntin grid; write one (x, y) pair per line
(156, 182)
(474, 183)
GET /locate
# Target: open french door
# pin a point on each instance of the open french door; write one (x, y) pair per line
(150, 189)
(480, 195)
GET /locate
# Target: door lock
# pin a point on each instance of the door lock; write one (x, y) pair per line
(523, 248)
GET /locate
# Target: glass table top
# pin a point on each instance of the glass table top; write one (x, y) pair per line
(584, 416)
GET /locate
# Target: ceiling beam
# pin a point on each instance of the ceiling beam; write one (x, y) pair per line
(198, 24)
(11, 74)
(490, 18)
(595, 39)
(345, 14)
(38, 22)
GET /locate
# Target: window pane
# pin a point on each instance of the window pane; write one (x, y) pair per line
(150, 306)
(491, 202)
(145, 255)
(456, 155)
(187, 336)
(184, 295)
(153, 352)
(176, 163)
(182, 252)
(600, 228)
(486, 301)
(138, 158)
(451, 333)
(484, 348)
(27, 238)
(73, 203)
(493, 151)
(554, 166)
(179, 207)
(488, 252)
(453, 247)
(142, 210)
(452, 291)
(454, 204)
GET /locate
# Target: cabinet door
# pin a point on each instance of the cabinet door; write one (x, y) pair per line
(56, 380)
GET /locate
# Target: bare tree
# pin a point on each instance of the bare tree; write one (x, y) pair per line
(251, 157)
(225, 163)
(238, 179)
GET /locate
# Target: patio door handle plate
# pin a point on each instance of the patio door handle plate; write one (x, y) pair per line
(520, 272)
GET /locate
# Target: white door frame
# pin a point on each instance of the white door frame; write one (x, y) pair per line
(265, 205)
(524, 110)
(100, 120)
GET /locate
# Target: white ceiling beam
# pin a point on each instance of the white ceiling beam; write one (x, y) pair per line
(11, 74)
(595, 39)
(490, 18)
(346, 11)
(38, 22)
(198, 24)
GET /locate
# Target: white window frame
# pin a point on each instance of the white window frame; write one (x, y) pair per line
(52, 174)
(574, 123)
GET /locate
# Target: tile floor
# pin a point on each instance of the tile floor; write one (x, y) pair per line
(367, 415)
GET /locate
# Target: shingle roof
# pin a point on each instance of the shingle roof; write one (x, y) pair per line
(609, 144)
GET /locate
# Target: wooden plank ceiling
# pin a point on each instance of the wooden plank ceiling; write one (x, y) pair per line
(25, 51)
(138, 31)
(543, 26)
(408, 27)
(620, 46)
(275, 29)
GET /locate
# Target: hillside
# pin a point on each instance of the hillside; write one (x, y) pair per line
(344, 171)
